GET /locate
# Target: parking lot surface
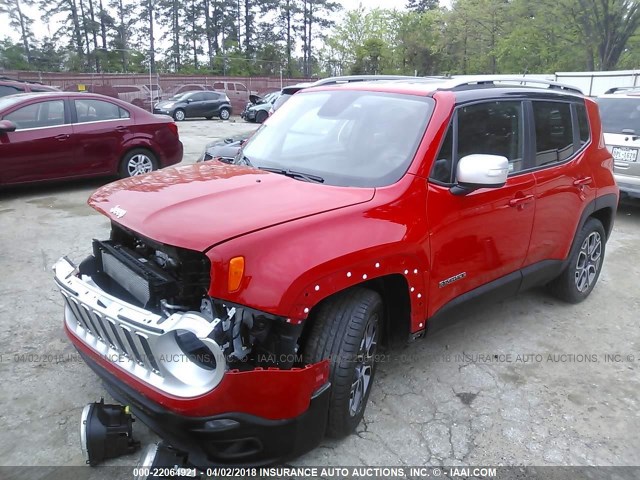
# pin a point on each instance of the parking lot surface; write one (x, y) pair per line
(525, 381)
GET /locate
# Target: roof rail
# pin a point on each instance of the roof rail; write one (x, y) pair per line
(488, 81)
(621, 89)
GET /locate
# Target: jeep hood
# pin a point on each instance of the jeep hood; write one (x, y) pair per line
(198, 206)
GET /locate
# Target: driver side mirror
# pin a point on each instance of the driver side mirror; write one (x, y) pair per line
(189, 100)
(480, 171)
(7, 126)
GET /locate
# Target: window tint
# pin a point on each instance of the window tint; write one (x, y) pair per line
(197, 97)
(218, 86)
(230, 86)
(38, 115)
(240, 87)
(98, 110)
(441, 171)
(583, 124)
(9, 90)
(554, 133)
(211, 96)
(493, 128)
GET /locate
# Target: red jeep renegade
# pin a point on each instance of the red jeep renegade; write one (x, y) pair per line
(237, 309)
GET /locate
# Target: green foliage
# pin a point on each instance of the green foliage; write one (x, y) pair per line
(314, 37)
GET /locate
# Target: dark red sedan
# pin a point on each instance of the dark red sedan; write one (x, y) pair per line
(51, 136)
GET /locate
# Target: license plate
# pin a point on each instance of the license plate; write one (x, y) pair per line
(625, 154)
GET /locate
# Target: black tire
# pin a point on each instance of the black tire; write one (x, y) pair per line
(577, 280)
(261, 116)
(225, 113)
(179, 115)
(137, 162)
(339, 331)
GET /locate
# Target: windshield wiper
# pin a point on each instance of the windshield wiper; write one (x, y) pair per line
(307, 177)
(242, 159)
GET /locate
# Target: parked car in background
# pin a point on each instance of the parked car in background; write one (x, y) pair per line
(620, 113)
(259, 109)
(224, 150)
(138, 95)
(52, 136)
(237, 92)
(11, 86)
(183, 88)
(195, 104)
(101, 89)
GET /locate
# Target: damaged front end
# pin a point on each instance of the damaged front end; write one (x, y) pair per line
(216, 380)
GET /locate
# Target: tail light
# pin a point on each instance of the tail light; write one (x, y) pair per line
(174, 128)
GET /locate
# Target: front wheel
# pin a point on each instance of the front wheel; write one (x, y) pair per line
(137, 162)
(225, 114)
(346, 329)
(261, 116)
(576, 282)
(179, 115)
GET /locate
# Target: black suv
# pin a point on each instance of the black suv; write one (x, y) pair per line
(196, 104)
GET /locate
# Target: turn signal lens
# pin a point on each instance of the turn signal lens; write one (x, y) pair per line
(236, 272)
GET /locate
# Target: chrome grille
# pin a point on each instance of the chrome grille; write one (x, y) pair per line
(114, 334)
(137, 340)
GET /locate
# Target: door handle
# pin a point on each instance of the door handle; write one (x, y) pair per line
(582, 182)
(121, 129)
(515, 202)
(61, 137)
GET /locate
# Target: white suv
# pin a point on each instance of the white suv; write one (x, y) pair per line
(620, 114)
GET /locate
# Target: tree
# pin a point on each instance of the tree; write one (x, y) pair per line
(422, 6)
(607, 26)
(18, 20)
(314, 13)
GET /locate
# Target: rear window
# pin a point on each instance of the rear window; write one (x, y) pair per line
(619, 114)
(10, 90)
(349, 138)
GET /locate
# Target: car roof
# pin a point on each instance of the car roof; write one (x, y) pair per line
(467, 88)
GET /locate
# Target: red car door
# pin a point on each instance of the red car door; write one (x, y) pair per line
(101, 129)
(41, 147)
(484, 235)
(563, 188)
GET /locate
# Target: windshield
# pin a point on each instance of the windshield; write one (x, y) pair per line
(348, 138)
(619, 114)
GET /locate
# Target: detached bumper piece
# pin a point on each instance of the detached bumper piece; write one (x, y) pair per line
(106, 432)
(225, 439)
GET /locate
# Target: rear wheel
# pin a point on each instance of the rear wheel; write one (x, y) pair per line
(225, 114)
(261, 116)
(137, 162)
(179, 115)
(576, 282)
(346, 329)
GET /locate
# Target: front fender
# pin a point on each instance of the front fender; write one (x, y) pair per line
(291, 267)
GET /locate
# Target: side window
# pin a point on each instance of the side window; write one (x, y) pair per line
(38, 115)
(98, 110)
(240, 87)
(442, 168)
(218, 86)
(493, 128)
(230, 86)
(211, 96)
(554, 132)
(583, 124)
(197, 97)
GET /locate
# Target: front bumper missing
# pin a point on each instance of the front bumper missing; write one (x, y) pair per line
(269, 394)
(137, 340)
